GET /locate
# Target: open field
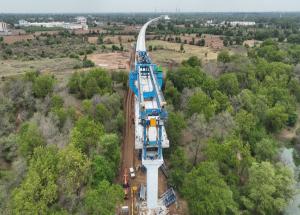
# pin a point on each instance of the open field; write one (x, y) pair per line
(170, 52)
(165, 53)
(59, 66)
(111, 60)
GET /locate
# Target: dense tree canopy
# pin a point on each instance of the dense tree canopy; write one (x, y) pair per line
(103, 199)
(217, 197)
(268, 189)
(227, 146)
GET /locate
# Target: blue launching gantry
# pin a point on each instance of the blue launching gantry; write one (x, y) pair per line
(150, 115)
(146, 82)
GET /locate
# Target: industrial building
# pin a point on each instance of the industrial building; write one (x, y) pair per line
(81, 23)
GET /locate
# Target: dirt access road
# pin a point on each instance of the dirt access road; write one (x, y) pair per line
(128, 142)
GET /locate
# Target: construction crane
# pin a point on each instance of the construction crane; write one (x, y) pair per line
(146, 81)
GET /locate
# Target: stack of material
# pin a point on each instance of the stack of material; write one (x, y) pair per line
(161, 210)
(168, 198)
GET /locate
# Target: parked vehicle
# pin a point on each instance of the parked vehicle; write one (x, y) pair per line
(132, 172)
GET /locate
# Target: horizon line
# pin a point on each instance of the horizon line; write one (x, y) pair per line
(151, 12)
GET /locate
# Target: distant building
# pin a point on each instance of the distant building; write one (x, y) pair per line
(4, 29)
(239, 23)
(80, 24)
(81, 20)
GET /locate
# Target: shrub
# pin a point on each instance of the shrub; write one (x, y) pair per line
(43, 85)
(87, 63)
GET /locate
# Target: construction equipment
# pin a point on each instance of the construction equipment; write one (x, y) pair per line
(125, 185)
(133, 192)
(142, 193)
(146, 82)
(132, 172)
(163, 168)
(169, 197)
(125, 210)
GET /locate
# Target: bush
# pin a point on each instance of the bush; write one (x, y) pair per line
(85, 85)
(43, 85)
(29, 138)
(57, 102)
(8, 148)
(8, 51)
(87, 63)
(193, 62)
(224, 57)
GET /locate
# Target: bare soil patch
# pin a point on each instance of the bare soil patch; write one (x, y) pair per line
(111, 61)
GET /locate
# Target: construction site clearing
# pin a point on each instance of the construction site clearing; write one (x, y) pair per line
(135, 203)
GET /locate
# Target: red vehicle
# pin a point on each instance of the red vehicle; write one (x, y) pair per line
(126, 185)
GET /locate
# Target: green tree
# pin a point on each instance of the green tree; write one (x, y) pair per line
(181, 47)
(187, 77)
(73, 167)
(102, 114)
(269, 188)
(95, 81)
(102, 169)
(38, 189)
(74, 83)
(222, 101)
(266, 149)
(179, 167)
(193, 61)
(29, 138)
(86, 134)
(247, 126)
(276, 118)
(233, 157)
(90, 88)
(43, 85)
(172, 95)
(218, 198)
(103, 199)
(228, 84)
(111, 149)
(174, 126)
(201, 103)
(224, 57)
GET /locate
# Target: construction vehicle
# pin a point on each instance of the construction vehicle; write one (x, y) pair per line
(126, 185)
(133, 193)
(125, 210)
(132, 173)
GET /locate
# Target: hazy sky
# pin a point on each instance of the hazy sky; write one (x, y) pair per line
(36, 6)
